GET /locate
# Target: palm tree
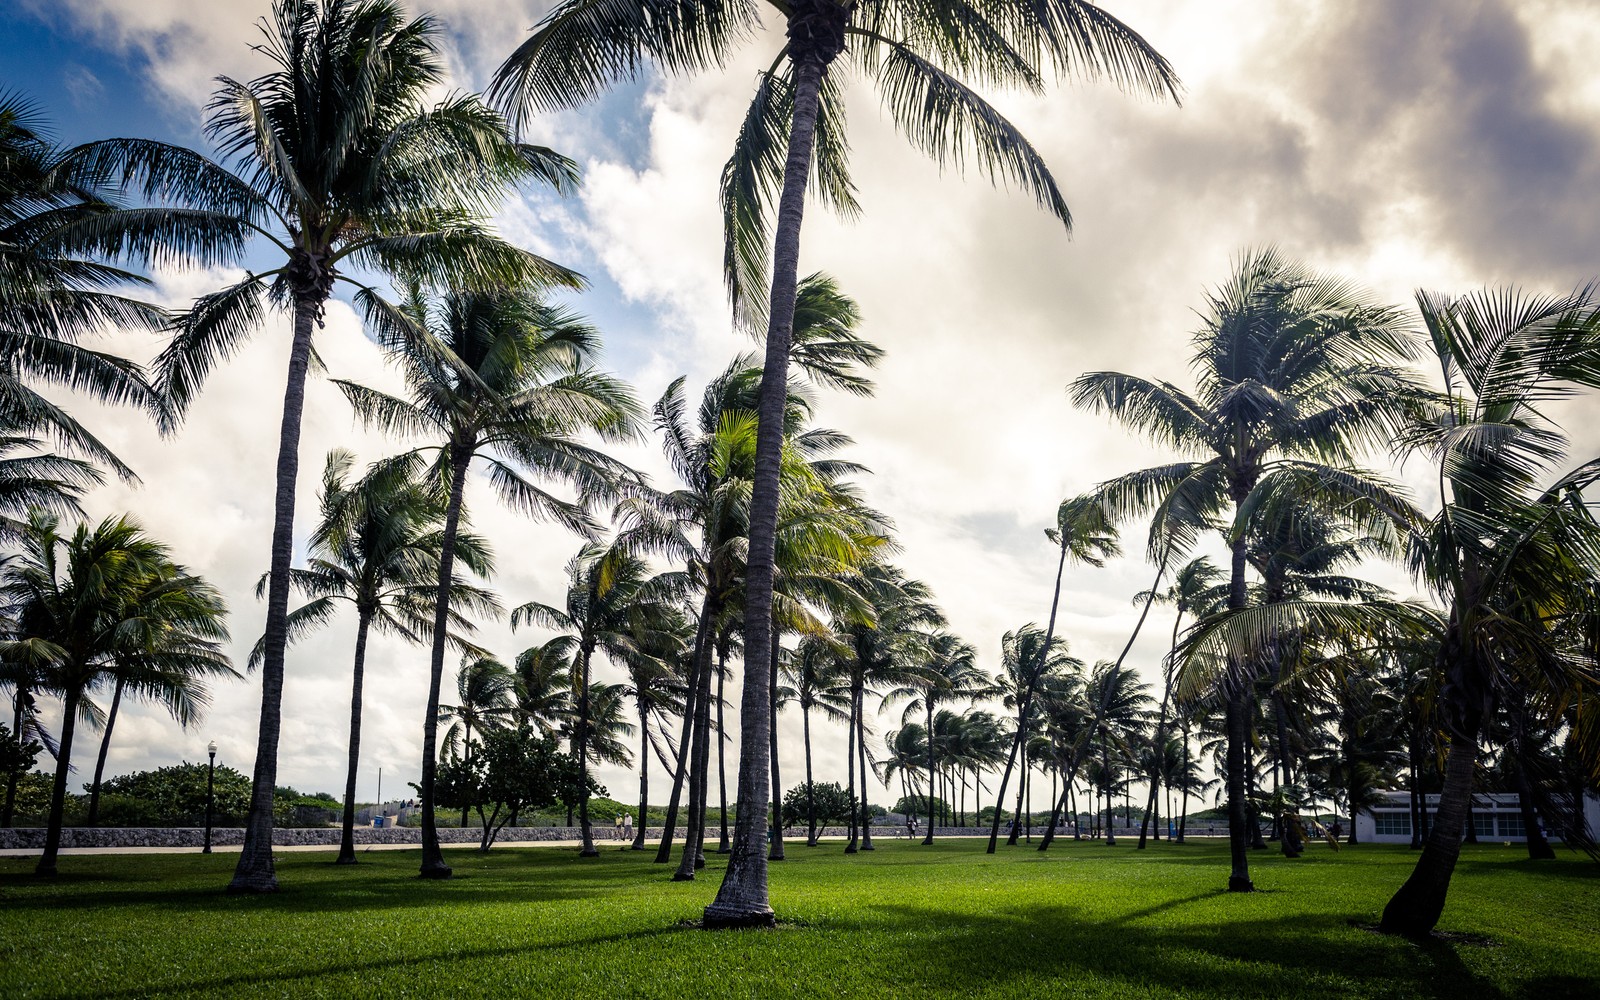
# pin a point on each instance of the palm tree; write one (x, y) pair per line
(376, 547)
(503, 378)
(340, 166)
(53, 293)
(1195, 588)
(949, 673)
(484, 700)
(1029, 663)
(655, 683)
(917, 52)
(610, 596)
(544, 684)
(1295, 373)
(156, 667)
(108, 599)
(816, 672)
(1511, 556)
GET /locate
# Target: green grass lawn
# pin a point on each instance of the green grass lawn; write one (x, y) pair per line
(1084, 920)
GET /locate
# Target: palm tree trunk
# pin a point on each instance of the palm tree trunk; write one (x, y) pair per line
(433, 865)
(644, 775)
(811, 788)
(692, 856)
(1238, 733)
(19, 699)
(700, 662)
(347, 837)
(861, 743)
(850, 774)
(816, 29)
(588, 850)
(254, 872)
(927, 699)
(1161, 730)
(466, 757)
(58, 791)
(722, 762)
(775, 851)
(1415, 909)
(100, 761)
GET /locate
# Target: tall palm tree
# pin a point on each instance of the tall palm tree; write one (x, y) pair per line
(610, 596)
(1028, 663)
(376, 547)
(949, 673)
(815, 672)
(485, 701)
(544, 684)
(1296, 373)
(154, 667)
(1084, 534)
(655, 683)
(339, 165)
(108, 599)
(1512, 554)
(918, 54)
(504, 379)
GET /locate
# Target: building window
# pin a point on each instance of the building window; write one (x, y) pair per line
(1483, 824)
(1392, 824)
(1511, 825)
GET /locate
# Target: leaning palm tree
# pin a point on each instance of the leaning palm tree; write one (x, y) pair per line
(918, 54)
(504, 379)
(108, 599)
(54, 292)
(339, 166)
(376, 547)
(1296, 373)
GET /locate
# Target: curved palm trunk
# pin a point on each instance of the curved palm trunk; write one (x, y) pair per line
(254, 872)
(58, 791)
(811, 788)
(1161, 734)
(100, 761)
(816, 33)
(722, 759)
(347, 837)
(775, 851)
(1022, 789)
(644, 776)
(693, 855)
(932, 770)
(433, 865)
(588, 849)
(1416, 908)
(700, 662)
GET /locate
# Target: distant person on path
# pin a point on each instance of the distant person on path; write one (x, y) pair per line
(627, 825)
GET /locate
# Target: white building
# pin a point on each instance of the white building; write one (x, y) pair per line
(1495, 817)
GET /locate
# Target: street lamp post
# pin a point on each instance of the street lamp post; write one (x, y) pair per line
(211, 774)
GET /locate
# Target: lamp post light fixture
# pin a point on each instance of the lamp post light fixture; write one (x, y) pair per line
(211, 774)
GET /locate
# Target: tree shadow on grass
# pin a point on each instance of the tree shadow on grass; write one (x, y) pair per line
(248, 983)
(1308, 956)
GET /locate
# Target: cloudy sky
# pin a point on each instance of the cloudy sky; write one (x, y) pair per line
(1440, 144)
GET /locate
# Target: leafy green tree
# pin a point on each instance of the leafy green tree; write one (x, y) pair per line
(515, 769)
(502, 379)
(17, 756)
(88, 608)
(176, 794)
(829, 802)
(485, 691)
(339, 165)
(918, 54)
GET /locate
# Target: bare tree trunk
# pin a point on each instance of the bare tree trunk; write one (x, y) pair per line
(1416, 908)
(347, 835)
(927, 699)
(644, 775)
(1238, 732)
(693, 856)
(722, 760)
(775, 850)
(58, 791)
(254, 872)
(811, 788)
(433, 865)
(588, 850)
(850, 774)
(100, 762)
(861, 743)
(700, 663)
